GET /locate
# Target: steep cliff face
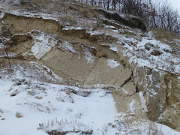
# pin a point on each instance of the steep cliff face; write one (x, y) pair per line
(161, 90)
(90, 50)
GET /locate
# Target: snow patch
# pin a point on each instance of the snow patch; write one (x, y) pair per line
(95, 32)
(67, 46)
(132, 106)
(72, 28)
(1, 15)
(114, 48)
(43, 43)
(88, 56)
(110, 27)
(112, 63)
(143, 102)
(166, 130)
(9, 55)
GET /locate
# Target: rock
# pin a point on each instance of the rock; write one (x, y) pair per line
(16, 39)
(84, 93)
(39, 97)
(5, 31)
(156, 53)
(19, 115)
(161, 90)
(14, 93)
(148, 46)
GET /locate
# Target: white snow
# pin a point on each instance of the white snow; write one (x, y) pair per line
(109, 27)
(148, 128)
(43, 43)
(67, 46)
(166, 130)
(72, 28)
(30, 71)
(5, 84)
(2, 46)
(1, 15)
(12, 2)
(10, 55)
(6, 8)
(95, 32)
(112, 63)
(125, 126)
(132, 106)
(114, 48)
(40, 103)
(143, 57)
(139, 50)
(88, 56)
(143, 102)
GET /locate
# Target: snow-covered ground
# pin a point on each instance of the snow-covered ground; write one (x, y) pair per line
(26, 107)
(33, 107)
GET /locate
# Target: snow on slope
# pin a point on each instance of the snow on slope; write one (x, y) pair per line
(25, 104)
(143, 50)
(154, 54)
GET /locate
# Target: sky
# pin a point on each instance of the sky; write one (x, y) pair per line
(175, 4)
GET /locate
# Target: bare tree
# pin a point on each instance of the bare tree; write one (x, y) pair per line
(160, 16)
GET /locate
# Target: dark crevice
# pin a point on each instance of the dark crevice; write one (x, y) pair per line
(127, 80)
